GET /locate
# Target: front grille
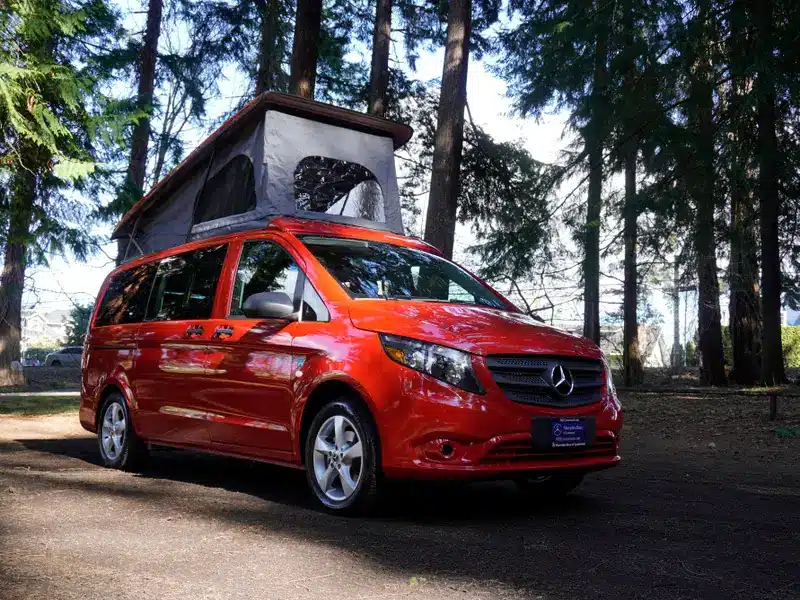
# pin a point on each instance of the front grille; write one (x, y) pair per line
(521, 451)
(527, 379)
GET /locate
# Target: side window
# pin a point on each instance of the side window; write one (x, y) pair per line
(231, 191)
(185, 285)
(74, 351)
(314, 308)
(126, 297)
(263, 267)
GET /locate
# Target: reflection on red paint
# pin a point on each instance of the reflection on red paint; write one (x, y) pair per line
(245, 391)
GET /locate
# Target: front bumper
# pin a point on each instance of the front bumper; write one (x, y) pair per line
(436, 431)
(505, 456)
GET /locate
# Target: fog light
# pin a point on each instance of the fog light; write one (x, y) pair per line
(446, 450)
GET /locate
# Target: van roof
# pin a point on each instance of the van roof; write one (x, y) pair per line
(296, 226)
(277, 101)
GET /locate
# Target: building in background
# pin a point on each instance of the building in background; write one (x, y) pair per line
(43, 328)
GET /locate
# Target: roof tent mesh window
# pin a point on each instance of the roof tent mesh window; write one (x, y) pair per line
(231, 191)
(338, 187)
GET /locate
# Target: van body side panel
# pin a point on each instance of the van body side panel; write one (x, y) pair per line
(110, 358)
(170, 368)
(250, 399)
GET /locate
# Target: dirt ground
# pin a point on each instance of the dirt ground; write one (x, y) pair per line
(705, 505)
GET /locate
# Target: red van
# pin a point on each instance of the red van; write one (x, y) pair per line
(350, 352)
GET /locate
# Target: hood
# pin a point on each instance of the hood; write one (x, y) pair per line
(471, 328)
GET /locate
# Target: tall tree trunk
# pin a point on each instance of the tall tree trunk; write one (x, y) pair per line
(701, 185)
(631, 359)
(745, 315)
(379, 75)
(147, 77)
(305, 48)
(745, 312)
(772, 368)
(677, 350)
(269, 55)
(440, 223)
(12, 279)
(595, 141)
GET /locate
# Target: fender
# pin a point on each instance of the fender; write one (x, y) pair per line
(117, 378)
(305, 386)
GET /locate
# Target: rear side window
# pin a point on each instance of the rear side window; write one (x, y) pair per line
(185, 285)
(126, 296)
(263, 267)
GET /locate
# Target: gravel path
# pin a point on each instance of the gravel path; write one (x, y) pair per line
(699, 524)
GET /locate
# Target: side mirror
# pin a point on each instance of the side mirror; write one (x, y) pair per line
(269, 305)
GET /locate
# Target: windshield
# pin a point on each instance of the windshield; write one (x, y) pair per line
(378, 270)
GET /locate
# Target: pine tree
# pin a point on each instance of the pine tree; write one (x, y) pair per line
(146, 78)
(631, 359)
(305, 48)
(440, 224)
(772, 368)
(700, 183)
(381, 43)
(595, 136)
(738, 154)
(50, 80)
(272, 45)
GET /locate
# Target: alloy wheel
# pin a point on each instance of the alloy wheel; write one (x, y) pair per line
(113, 430)
(338, 458)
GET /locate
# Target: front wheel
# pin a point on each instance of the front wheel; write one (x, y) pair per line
(341, 458)
(549, 487)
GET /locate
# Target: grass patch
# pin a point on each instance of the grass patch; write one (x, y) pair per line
(38, 405)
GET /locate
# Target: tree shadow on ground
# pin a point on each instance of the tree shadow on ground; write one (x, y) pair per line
(646, 531)
(415, 501)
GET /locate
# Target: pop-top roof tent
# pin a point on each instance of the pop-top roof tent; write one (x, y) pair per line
(279, 155)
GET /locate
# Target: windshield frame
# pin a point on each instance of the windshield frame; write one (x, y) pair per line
(504, 304)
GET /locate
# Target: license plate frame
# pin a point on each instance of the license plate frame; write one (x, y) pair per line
(562, 433)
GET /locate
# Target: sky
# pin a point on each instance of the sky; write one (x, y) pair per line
(67, 282)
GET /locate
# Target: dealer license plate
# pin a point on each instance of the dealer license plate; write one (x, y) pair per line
(562, 432)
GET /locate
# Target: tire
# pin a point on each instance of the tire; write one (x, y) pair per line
(549, 487)
(55, 363)
(124, 450)
(343, 482)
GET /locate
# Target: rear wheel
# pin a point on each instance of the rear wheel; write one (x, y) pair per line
(341, 458)
(120, 447)
(55, 363)
(554, 486)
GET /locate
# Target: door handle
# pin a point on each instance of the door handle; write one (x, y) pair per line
(223, 331)
(194, 330)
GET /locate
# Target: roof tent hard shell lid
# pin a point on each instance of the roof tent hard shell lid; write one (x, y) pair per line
(279, 155)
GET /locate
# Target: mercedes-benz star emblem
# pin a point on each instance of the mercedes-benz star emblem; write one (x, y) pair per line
(562, 380)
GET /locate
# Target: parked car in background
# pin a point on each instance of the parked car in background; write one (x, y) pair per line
(69, 356)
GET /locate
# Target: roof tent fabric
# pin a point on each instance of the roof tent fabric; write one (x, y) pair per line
(280, 155)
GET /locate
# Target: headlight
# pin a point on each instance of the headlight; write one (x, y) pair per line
(612, 391)
(448, 365)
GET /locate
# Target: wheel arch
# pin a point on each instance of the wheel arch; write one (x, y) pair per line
(108, 388)
(325, 393)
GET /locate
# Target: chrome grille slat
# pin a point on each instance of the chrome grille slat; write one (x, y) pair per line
(526, 379)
